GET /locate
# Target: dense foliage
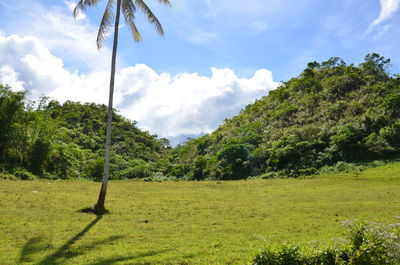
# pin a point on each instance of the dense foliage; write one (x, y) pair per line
(329, 115)
(54, 140)
(367, 244)
(331, 112)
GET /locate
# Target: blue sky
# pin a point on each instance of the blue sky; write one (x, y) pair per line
(215, 57)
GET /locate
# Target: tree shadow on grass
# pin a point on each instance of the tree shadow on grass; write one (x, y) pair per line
(38, 244)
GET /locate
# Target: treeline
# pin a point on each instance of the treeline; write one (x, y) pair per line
(52, 140)
(332, 112)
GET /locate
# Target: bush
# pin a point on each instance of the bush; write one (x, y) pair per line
(368, 244)
(346, 142)
(40, 153)
(233, 161)
(159, 177)
(391, 104)
(7, 176)
(139, 171)
(287, 255)
(23, 174)
(307, 171)
(391, 134)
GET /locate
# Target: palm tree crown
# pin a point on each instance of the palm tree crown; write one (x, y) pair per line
(128, 8)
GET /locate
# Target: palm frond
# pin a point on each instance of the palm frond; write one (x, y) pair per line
(129, 9)
(165, 2)
(105, 24)
(82, 4)
(150, 16)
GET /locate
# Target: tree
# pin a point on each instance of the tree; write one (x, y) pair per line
(128, 8)
(12, 122)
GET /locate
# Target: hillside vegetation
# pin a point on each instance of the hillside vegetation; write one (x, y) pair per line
(329, 115)
(332, 112)
(53, 140)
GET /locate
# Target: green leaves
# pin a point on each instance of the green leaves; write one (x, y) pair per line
(128, 8)
(331, 112)
(82, 4)
(367, 244)
(105, 24)
(66, 140)
(149, 15)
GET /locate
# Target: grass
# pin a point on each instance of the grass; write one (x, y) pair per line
(186, 222)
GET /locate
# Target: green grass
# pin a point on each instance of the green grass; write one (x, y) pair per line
(188, 222)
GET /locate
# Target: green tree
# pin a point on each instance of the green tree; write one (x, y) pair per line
(233, 161)
(12, 124)
(128, 8)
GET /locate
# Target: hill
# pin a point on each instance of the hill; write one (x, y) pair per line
(331, 112)
(329, 115)
(54, 140)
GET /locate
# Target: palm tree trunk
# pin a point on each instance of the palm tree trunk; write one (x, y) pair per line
(99, 208)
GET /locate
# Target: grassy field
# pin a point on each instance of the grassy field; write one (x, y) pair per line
(186, 222)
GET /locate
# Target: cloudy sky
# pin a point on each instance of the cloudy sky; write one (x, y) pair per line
(215, 58)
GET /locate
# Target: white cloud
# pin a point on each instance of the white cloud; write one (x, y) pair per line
(9, 76)
(388, 8)
(73, 40)
(27, 64)
(191, 103)
(186, 103)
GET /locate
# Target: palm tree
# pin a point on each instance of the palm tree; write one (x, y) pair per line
(128, 8)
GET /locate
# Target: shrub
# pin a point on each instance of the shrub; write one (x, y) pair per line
(8, 176)
(40, 153)
(139, 171)
(199, 168)
(233, 161)
(23, 174)
(346, 142)
(368, 244)
(286, 255)
(159, 177)
(391, 134)
(307, 171)
(390, 104)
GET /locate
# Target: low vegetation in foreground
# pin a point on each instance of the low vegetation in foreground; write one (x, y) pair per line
(188, 222)
(367, 244)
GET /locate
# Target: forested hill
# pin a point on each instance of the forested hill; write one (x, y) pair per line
(54, 140)
(331, 112)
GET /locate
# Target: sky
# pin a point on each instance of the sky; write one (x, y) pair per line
(215, 57)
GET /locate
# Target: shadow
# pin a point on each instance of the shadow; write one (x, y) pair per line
(32, 247)
(66, 248)
(111, 261)
(92, 210)
(151, 253)
(36, 245)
